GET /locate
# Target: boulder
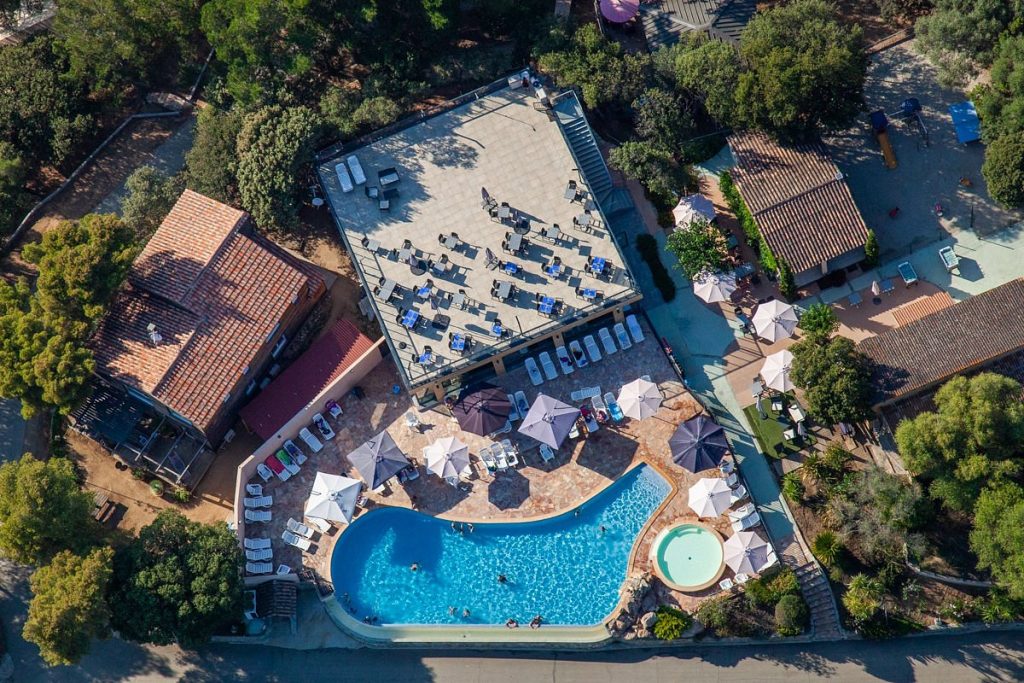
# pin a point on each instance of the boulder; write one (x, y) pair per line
(630, 636)
(648, 620)
(643, 633)
(649, 603)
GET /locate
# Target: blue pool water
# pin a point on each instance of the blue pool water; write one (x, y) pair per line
(564, 568)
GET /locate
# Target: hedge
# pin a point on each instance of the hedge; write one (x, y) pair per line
(747, 222)
(649, 251)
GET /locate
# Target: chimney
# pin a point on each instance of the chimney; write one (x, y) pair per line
(154, 336)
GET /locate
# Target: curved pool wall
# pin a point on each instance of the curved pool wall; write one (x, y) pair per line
(564, 568)
(688, 556)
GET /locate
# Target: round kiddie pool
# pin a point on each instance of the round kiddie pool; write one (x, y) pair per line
(688, 557)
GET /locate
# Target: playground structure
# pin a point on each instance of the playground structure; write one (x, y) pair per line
(880, 124)
(910, 111)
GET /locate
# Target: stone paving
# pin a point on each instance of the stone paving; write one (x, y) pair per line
(580, 469)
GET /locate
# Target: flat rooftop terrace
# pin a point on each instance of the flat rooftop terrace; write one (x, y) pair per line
(510, 145)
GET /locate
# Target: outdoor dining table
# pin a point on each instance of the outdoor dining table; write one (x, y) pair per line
(441, 321)
(554, 233)
(597, 265)
(546, 305)
(796, 413)
(404, 254)
(497, 329)
(554, 269)
(457, 343)
(426, 358)
(387, 290)
(589, 293)
(372, 245)
(451, 242)
(511, 268)
(424, 292)
(459, 300)
(504, 211)
(504, 289)
(409, 318)
(583, 220)
(515, 242)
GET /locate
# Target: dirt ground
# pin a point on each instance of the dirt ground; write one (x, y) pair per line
(129, 151)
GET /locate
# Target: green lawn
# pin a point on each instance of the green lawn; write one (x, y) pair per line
(769, 431)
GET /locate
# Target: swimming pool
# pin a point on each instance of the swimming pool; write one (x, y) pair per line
(688, 557)
(565, 569)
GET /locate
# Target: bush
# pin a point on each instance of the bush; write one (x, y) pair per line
(871, 250)
(790, 615)
(863, 597)
(819, 320)
(767, 590)
(828, 548)
(182, 495)
(156, 487)
(728, 617)
(649, 252)
(998, 607)
(787, 283)
(1004, 169)
(747, 223)
(672, 623)
(792, 486)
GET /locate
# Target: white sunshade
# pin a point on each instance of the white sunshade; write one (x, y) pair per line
(333, 497)
(775, 371)
(774, 320)
(692, 208)
(447, 457)
(714, 287)
(746, 552)
(710, 497)
(640, 399)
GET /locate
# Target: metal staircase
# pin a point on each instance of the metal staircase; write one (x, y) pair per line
(583, 146)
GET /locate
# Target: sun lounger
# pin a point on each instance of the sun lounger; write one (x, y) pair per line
(310, 440)
(257, 515)
(732, 480)
(585, 393)
(488, 459)
(254, 489)
(343, 178)
(726, 466)
(546, 454)
(599, 406)
(356, 168)
(500, 458)
(739, 493)
(634, 328)
(574, 431)
(726, 584)
(278, 468)
(257, 555)
(325, 429)
(259, 567)
(286, 461)
(334, 409)
(522, 405)
(514, 414)
(256, 543)
(550, 371)
(297, 541)
(258, 502)
(535, 377)
(742, 578)
(266, 474)
(294, 452)
(747, 522)
(606, 341)
(613, 407)
(622, 336)
(564, 360)
(299, 528)
(740, 513)
(577, 354)
(589, 420)
(592, 350)
(322, 525)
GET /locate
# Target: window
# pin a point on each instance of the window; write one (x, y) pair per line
(279, 346)
(270, 335)
(227, 397)
(245, 370)
(251, 388)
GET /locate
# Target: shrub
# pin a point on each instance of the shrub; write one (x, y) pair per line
(787, 284)
(747, 223)
(727, 617)
(957, 610)
(871, 250)
(767, 590)
(182, 495)
(828, 548)
(998, 607)
(138, 474)
(1004, 169)
(819, 320)
(672, 623)
(863, 597)
(790, 615)
(157, 487)
(792, 486)
(649, 252)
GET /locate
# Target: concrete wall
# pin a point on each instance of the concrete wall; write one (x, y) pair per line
(336, 390)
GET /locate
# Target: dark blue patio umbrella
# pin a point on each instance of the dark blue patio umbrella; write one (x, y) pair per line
(482, 409)
(378, 460)
(698, 444)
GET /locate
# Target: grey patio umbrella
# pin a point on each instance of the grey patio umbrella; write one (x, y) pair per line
(698, 444)
(709, 497)
(714, 287)
(549, 420)
(447, 457)
(639, 399)
(333, 497)
(378, 460)
(746, 552)
(482, 409)
(775, 320)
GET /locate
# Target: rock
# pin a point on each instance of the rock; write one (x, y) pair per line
(6, 668)
(648, 620)
(649, 603)
(643, 633)
(630, 636)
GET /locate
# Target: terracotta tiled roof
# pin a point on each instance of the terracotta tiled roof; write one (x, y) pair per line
(919, 308)
(799, 199)
(215, 296)
(961, 337)
(322, 363)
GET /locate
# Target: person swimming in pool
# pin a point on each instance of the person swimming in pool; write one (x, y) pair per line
(415, 566)
(603, 528)
(502, 578)
(536, 622)
(465, 613)
(451, 610)
(512, 623)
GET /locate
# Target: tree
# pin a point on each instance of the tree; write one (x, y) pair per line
(997, 537)
(819, 320)
(902, 10)
(12, 175)
(650, 166)
(1000, 103)
(804, 72)
(11, 11)
(787, 283)
(712, 71)
(599, 69)
(42, 510)
(273, 146)
(871, 249)
(69, 606)
(972, 438)
(211, 164)
(698, 248)
(1004, 169)
(179, 581)
(863, 597)
(373, 113)
(836, 378)
(664, 119)
(791, 615)
(958, 36)
(151, 194)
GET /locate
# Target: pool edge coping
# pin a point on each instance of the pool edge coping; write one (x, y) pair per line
(676, 524)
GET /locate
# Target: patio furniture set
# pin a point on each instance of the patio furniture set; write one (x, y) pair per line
(627, 334)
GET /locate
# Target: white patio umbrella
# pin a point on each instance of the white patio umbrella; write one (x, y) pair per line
(775, 371)
(333, 497)
(639, 399)
(692, 208)
(447, 457)
(709, 497)
(746, 552)
(774, 320)
(714, 287)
